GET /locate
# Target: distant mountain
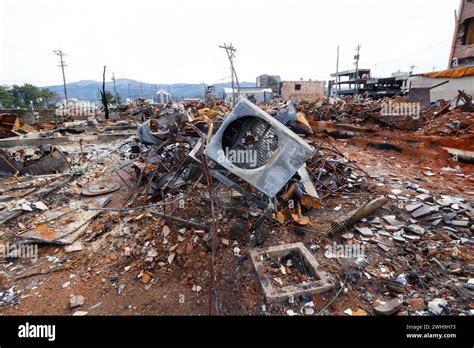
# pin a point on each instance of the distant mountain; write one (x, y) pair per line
(89, 90)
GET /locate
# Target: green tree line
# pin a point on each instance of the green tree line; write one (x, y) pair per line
(21, 96)
(109, 96)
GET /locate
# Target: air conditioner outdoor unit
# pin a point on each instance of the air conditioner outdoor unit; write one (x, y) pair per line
(259, 149)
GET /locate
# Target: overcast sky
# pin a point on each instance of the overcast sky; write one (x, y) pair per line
(177, 40)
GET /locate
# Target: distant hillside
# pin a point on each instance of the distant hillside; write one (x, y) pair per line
(89, 90)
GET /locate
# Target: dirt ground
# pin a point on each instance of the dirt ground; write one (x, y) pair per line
(111, 272)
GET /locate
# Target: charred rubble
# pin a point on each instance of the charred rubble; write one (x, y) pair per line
(251, 210)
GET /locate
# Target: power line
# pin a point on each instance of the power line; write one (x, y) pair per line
(62, 65)
(338, 79)
(115, 89)
(412, 54)
(357, 57)
(230, 50)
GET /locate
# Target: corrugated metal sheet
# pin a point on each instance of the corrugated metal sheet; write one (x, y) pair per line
(453, 73)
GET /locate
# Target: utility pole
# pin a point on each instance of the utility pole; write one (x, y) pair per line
(230, 50)
(411, 69)
(129, 94)
(103, 96)
(357, 57)
(141, 89)
(61, 54)
(337, 71)
(154, 95)
(232, 86)
(115, 90)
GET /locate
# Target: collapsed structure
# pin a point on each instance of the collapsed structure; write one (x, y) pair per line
(356, 204)
(279, 209)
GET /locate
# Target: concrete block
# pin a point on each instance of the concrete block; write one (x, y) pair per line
(273, 294)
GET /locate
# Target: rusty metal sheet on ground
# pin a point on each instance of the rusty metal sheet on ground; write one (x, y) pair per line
(64, 225)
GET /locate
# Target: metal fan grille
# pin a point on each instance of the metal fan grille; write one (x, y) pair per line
(252, 141)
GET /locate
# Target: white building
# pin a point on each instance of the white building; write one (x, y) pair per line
(443, 85)
(254, 94)
(163, 97)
